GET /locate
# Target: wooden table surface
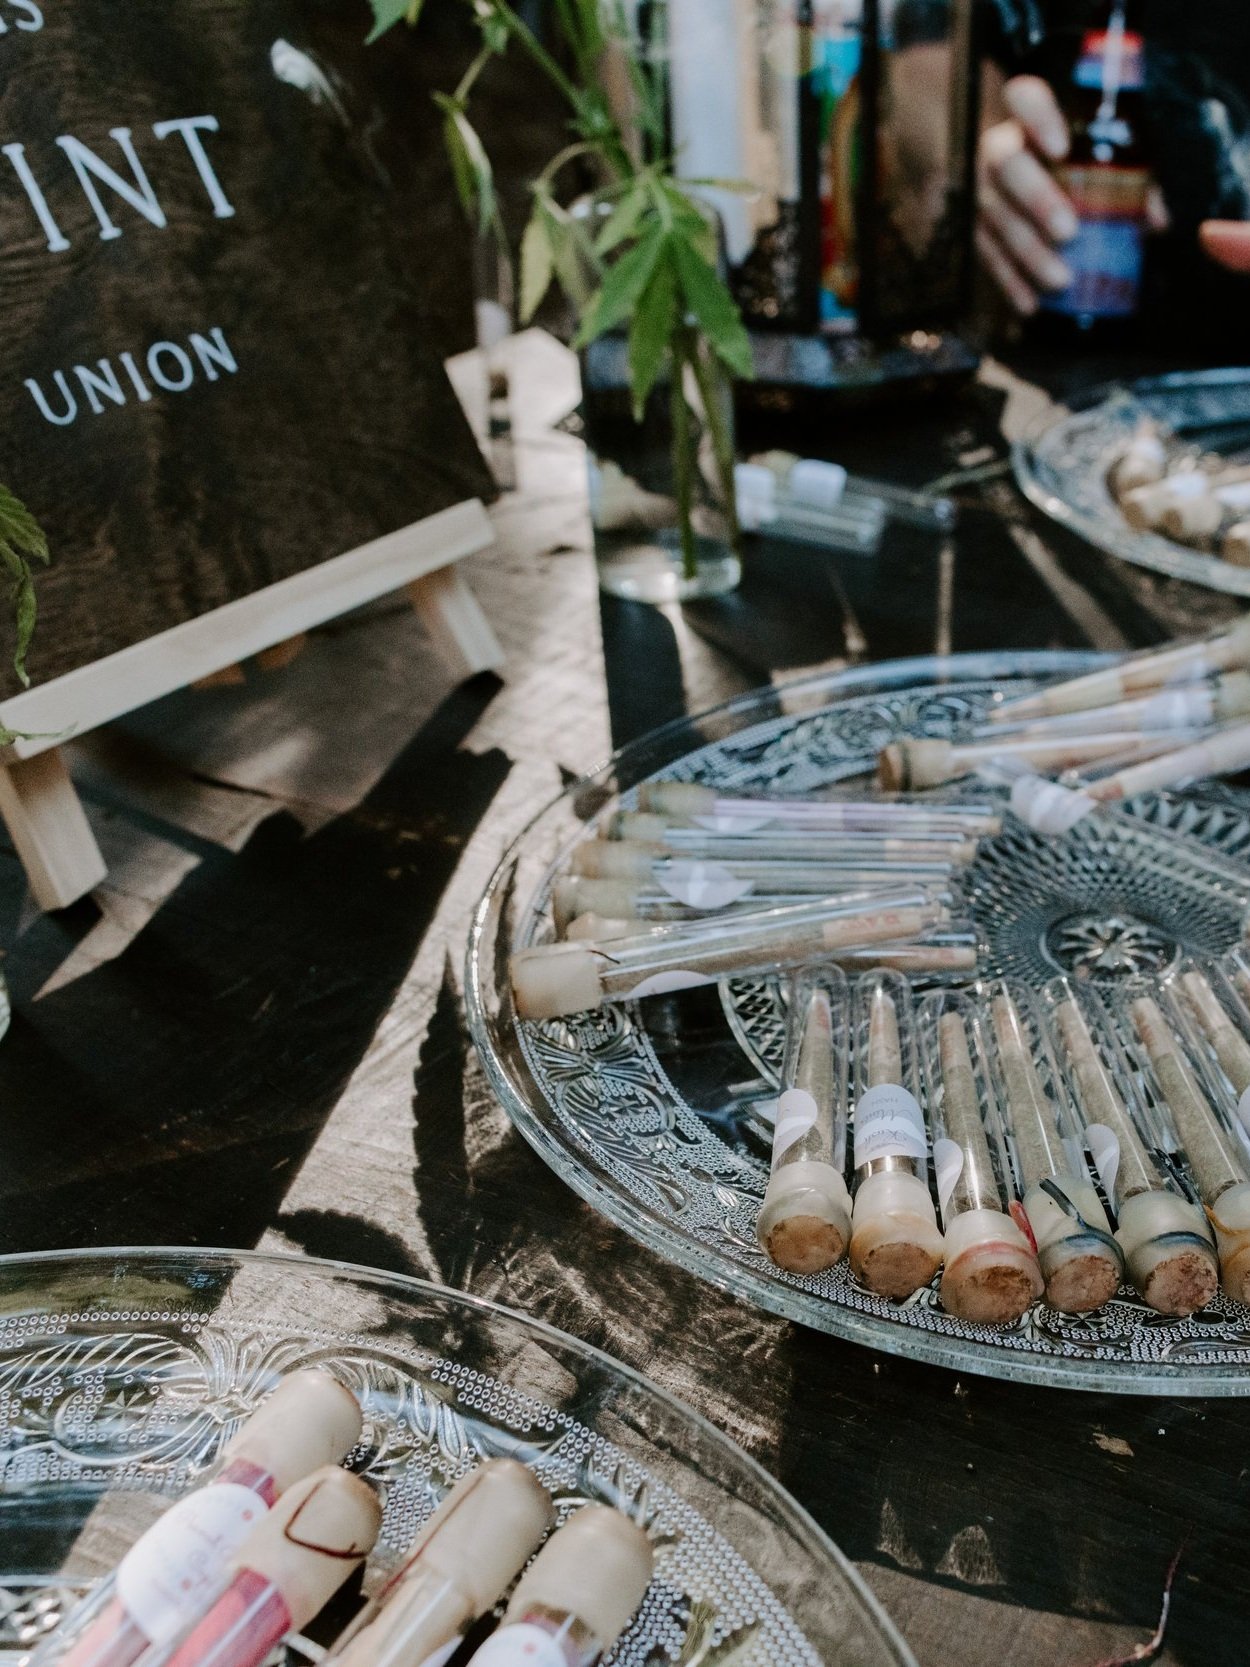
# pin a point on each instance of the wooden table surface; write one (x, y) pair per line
(254, 1032)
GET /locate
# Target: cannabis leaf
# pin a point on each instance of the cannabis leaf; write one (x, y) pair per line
(387, 13)
(22, 542)
(470, 165)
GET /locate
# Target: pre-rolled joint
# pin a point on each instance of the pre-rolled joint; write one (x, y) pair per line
(804, 1222)
(619, 859)
(1230, 1217)
(677, 798)
(1169, 1252)
(905, 765)
(554, 980)
(896, 1246)
(991, 1274)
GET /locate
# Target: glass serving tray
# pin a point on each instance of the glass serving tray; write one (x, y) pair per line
(122, 1372)
(1061, 465)
(649, 1110)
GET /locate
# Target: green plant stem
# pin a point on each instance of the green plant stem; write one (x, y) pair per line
(683, 455)
(722, 448)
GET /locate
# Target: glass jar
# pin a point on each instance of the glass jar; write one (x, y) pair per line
(661, 489)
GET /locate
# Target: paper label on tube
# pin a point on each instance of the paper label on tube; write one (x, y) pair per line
(167, 1577)
(1104, 1148)
(521, 1645)
(888, 1124)
(948, 1164)
(1181, 708)
(726, 823)
(797, 1112)
(661, 983)
(702, 885)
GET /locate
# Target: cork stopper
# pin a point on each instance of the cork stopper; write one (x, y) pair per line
(991, 1274)
(321, 1529)
(616, 859)
(597, 1568)
(905, 765)
(310, 1420)
(677, 798)
(574, 895)
(483, 1533)
(1232, 693)
(804, 1223)
(553, 980)
(593, 928)
(1082, 1273)
(1235, 547)
(639, 824)
(1197, 517)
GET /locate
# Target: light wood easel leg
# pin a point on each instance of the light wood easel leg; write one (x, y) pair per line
(49, 830)
(453, 616)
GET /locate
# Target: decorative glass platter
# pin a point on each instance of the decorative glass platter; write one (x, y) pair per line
(650, 1110)
(123, 1371)
(1062, 464)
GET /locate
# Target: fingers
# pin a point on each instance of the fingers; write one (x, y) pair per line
(1008, 163)
(1228, 242)
(1021, 241)
(1032, 102)
(1005, 274)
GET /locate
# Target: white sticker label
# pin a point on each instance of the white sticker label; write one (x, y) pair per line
(948, 1164)
(797, 1112)
(1179, 709)
(702, 885)
(1104, 1148)
(166, 1578)
(888, 1124)
(1047, 807)
(660, 983)
(522, 1645)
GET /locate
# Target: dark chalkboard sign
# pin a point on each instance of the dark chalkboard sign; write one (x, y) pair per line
(224, 321)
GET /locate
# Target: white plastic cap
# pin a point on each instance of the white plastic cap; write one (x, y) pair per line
(320, 1530)
(555, 979)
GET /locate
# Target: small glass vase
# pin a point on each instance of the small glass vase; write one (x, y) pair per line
(661, 490)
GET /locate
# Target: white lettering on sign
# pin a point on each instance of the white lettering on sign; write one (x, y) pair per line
(94, 171)
(168, 364)
(28, 19)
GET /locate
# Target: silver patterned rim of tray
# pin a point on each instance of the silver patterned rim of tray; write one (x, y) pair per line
(1061, 464)
(609, 1099)
(123, 1371)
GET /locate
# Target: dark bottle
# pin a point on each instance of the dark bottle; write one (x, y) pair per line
(1106, 173)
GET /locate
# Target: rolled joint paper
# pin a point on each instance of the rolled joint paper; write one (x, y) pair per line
(554, 980)
(1223, 753)
(459, 1566)
(585, 1585)
(805, 1220)
(1139, 674)
(289, 1567)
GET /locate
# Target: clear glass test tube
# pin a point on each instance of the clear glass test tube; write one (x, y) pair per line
(896, 1245)
(1080, 1260)
(706, 805)
(1188, 1104)
(804, 1223)
(553, 980)
(793, 840)
(991, 1273)
(1168, 1247)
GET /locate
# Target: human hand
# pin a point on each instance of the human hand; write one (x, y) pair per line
(1228, 242)
(1023, 218)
